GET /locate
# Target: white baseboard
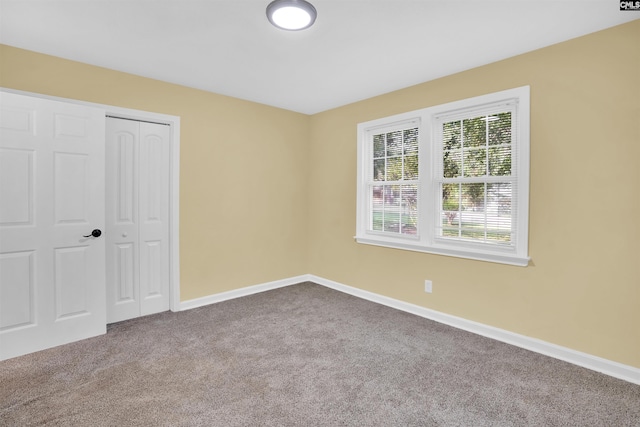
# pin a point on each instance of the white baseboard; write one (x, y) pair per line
(605, 366)
(598, 364)
(242, 292)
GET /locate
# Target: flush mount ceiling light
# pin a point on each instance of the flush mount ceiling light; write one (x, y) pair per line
(291, 15)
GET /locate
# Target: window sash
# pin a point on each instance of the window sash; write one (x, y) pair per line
(472, 209)
(392, 185)
(393, 208)
(493, 223)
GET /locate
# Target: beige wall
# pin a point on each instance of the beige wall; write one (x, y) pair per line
(243, 169)
(268, 194)
(582, 288)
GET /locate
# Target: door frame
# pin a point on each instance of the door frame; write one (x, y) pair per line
(174, 176)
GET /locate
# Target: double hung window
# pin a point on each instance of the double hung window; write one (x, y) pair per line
(451, 179)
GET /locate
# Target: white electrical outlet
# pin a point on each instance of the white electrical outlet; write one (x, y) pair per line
(428, 286)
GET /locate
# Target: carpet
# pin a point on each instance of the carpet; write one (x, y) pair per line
(303, 355)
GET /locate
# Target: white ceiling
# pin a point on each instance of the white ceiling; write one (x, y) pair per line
(356, 49)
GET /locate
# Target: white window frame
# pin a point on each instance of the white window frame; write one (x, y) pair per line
(429, 197)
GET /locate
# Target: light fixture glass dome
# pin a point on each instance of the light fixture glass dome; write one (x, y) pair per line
(291, 14)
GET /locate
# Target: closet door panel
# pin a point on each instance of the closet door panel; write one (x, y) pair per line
(154, 217)
(122, 183)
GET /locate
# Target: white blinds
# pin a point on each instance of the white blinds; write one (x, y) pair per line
(477, 175)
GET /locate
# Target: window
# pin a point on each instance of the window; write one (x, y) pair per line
(451, 179)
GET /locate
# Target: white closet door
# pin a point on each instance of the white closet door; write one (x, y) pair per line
(154, 218)
(137, 218)
(123, 283)
(52, 287)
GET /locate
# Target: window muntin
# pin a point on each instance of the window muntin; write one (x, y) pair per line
(467, 195)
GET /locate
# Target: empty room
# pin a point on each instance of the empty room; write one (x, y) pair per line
(319, 213)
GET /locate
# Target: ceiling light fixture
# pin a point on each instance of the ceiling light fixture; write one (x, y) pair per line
(291, 15)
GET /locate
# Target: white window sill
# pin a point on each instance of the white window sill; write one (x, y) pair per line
(501, 258)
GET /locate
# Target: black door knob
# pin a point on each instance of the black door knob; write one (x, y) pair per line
(94, 233)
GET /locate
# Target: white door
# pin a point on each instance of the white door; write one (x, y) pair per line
(52, 286)
(137, 217)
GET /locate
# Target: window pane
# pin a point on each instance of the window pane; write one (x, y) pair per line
(475, 162)
(376, 197)
(500, 160)
(473, 196)
(378, 170)
(394, 169)
(452, 164)
(409, 209)
(475, 132)
(451, 135)
(496, 236)
(448, 232)
(391, 222)
(497, 223)
(376, 221)
(394, 143)
(377, 207)
(411, 141)
(499, 197)
(472, 212)
(500, 129)
(392, 197)
(378, 146)
(450, 204)
(411, 167)
(392, 208)
(450, 196)
(475, 233)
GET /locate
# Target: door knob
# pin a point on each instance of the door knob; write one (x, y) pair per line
(94, 233)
